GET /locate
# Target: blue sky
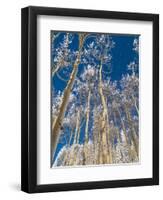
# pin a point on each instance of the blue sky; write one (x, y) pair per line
(122, 54)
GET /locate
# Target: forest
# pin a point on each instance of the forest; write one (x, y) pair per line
(94, 98)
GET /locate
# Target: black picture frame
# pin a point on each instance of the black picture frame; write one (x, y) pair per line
(29, 99)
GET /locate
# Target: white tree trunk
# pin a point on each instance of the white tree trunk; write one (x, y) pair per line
(135, 104)
(77, 129)
(106, 146)
(58, 122)
(133, 133)
(87, 117)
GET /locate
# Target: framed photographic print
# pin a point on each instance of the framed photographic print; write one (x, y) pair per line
(90, 99)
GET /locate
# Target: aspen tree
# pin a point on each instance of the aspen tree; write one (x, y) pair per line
(106, 146)
(133, 134)
(87, 117)
(77, 129)
(58, 122)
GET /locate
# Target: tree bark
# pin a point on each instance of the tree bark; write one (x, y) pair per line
(77, 129)
(71, 134)
(135, 104)
(133, 134)
(67, 157)
(117, 130)
(58, 122)
(100, 147)
(123, 127)
(73, 158)
(87, 117)
(106, 146)
(125, 134)
(54, 70)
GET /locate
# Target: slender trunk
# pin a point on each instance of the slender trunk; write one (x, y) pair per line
(73, 158)
(135, 104)
(71, 134)
(127, 143)
(99, 156)
(87, 117)
(133, 134)
(95, 145)
(77, 127)
(96, 139)
(58, 122)
(76, 138)
(54, 70)
(78, 132)
(69, 144)
(123, 126)
(100, 149)
(85, 146)
(117, 130)
(106, 146)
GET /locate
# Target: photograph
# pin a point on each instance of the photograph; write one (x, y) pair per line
(94, 99)
(90, 99)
